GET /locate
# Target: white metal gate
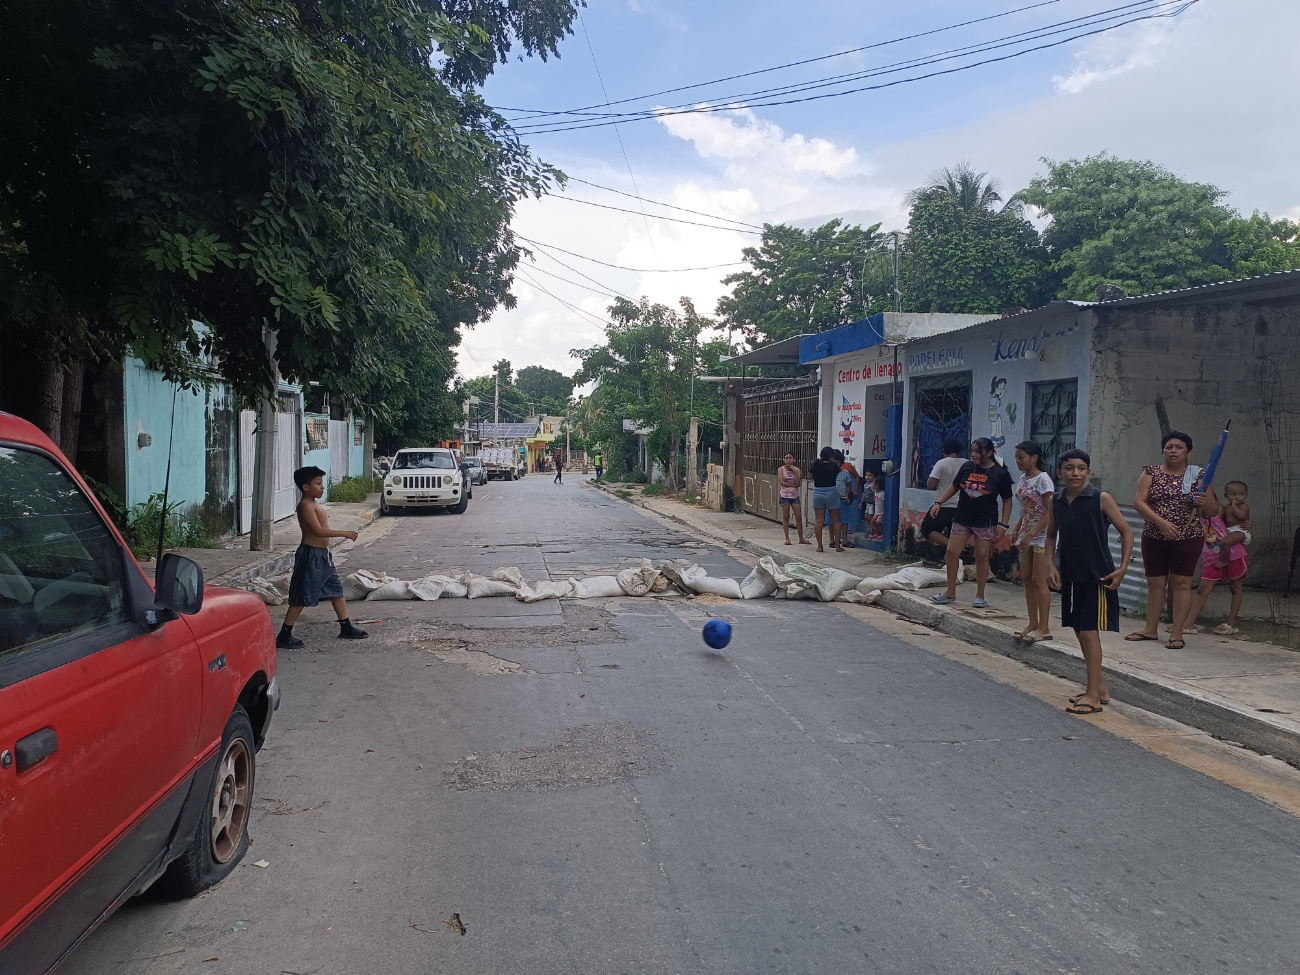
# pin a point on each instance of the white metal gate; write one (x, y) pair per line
(247, 462)
(340, 445)
(287, 453)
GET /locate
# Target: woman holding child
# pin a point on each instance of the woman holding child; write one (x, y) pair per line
(1169, 501)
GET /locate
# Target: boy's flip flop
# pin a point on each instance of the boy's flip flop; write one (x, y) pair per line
(1139, 637)
(1084, 709)
(981, 604)
(1075, 699)
(940, 597)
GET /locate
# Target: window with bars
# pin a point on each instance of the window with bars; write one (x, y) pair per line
(1053, 418)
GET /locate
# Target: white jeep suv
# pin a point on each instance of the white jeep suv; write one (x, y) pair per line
(426, 477)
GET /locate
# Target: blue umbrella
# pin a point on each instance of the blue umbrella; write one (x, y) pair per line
(1207, 475)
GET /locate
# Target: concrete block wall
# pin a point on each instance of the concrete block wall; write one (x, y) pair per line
(1207, 364)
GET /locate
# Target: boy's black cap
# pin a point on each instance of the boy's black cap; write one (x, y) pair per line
(305, 475)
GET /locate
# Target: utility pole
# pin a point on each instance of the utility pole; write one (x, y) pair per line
(496, 402)
(264, 457)
(898, 295)
(692, 459)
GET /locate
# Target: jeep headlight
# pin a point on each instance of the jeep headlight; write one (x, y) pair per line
(396, 480)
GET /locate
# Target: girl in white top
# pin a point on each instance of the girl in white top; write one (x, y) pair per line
(1034, 494)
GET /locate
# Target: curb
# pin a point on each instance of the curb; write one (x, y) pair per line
(1218, 720)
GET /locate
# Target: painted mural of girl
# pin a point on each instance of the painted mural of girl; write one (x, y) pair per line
(996, 391)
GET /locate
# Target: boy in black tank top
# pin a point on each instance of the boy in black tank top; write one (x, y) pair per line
(1088, 579)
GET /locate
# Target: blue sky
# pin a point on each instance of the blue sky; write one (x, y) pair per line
(1209, 95)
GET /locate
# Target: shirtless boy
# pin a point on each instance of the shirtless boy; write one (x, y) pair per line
(314, 576)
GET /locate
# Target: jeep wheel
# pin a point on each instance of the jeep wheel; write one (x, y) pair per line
(458, 509)
(221, 839)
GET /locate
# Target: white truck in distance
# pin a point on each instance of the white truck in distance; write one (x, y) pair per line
(502, 463)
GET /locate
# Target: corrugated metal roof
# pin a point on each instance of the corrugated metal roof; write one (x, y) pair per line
(1259, 286)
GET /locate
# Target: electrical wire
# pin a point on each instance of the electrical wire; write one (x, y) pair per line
(698, 213)
(575, 308)
(1167, 9)
(790, 64)
(621, 267)
(606, 206)
(570, 267)
(579, 284)
(1003, 41)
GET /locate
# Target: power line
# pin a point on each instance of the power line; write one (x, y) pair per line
(698, 213)
(791, 64)
(579, 284)
(606, 206)
(638, 270)
(566, 304)
(627, 162)
(1162, 11)
(569, 267)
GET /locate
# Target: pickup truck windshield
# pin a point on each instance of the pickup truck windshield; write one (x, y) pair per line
(416, 459)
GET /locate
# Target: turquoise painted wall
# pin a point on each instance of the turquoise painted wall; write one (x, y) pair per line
(147, 404)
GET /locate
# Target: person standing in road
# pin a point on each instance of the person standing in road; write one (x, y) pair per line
(559, 469)
(788, 479)
(600, 467)
(1172, 538)
(981, 481)
(1088, 580)
(826, 499)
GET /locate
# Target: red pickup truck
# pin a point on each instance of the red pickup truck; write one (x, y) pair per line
(130, 714)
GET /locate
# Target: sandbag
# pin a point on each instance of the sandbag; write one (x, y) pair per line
(394, 589)
(862, 598)
(359, 584)
(692, 579)
(535, 592)
(910, 578)
(509, 575)
(826, 583)
(639, 581)
(480, 586)
(266, 590)
(761, 580)
(450, 587)
(425, 589)
(596, 586)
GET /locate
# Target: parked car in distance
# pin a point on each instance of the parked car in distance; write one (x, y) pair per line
(130, 714)
(477, 472)
(426, 477)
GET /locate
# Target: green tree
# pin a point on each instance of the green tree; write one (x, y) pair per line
(540, 385)
(968, 251)
(320, 167)
(512, 405)
(1131, 224)
(804, 281)
(644, 372)
(1257, 244)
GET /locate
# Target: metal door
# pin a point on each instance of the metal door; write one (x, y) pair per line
(247, 464)
(340, 444)
(288, 451)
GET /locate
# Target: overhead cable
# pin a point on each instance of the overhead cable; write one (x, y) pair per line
(670, 206)
(638, 270)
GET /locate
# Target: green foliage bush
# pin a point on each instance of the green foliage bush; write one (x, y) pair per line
(650, 490)
(352, 489)
(143, 520)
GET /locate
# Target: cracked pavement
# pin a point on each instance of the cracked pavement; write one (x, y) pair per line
(593, 790)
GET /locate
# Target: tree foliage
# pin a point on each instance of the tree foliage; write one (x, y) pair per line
(967, 250)
(539, 384)
(804, 281)
(643, 373)
(512, 405)
(316, 166)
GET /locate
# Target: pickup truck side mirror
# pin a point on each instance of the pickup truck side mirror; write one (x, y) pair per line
(178, 585)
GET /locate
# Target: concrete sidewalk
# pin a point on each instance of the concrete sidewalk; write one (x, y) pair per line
(234, 563)
(1240, 690)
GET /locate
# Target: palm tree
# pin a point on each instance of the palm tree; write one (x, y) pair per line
(967, 190)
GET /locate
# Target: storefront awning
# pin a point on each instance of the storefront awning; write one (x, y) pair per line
(862, 334)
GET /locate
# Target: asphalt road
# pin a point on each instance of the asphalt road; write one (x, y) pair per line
(593, 790)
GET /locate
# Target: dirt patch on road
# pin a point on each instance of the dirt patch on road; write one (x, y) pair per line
(590, 754)
(475, 661)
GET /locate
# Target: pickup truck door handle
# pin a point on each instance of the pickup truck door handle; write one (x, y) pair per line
(36, 747)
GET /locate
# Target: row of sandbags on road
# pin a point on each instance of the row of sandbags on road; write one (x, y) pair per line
(794, 580)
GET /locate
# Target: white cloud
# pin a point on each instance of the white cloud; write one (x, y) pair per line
(1114, 54)
(740, 136)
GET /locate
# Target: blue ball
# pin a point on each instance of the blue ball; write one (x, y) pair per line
(717, 633)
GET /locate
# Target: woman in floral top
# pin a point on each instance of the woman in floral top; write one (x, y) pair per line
(1172, 538)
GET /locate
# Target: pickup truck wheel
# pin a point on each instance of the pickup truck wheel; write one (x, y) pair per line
(221, 839)
(459, 509)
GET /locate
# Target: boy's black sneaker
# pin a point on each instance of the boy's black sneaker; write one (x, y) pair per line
(287, 641)
(349, 632)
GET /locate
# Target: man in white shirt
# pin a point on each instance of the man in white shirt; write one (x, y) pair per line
(936, 528)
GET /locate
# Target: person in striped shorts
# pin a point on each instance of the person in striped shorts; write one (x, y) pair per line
(1088, 579)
